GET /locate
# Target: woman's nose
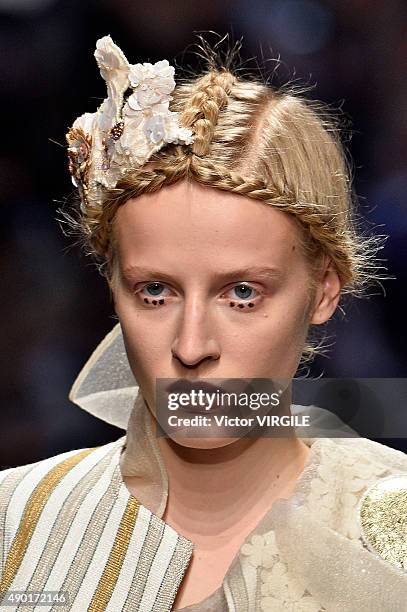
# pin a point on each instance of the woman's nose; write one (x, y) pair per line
(195, 339)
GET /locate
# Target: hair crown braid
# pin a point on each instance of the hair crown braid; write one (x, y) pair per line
(269, 144)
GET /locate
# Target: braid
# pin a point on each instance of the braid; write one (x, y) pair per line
(97, 221)
(201, 111)
(328, 229)
(323, 228)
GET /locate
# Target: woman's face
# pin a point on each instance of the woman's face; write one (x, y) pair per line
(196, 250)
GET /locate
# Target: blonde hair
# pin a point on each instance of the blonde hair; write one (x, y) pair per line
(269, 144)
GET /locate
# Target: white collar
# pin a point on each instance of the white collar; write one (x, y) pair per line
(106, 387)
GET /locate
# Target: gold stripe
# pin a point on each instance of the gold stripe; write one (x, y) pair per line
(114, 564)
(8, 486)
(89, 538)
(61, 527)
(31, 515)
(152, 540)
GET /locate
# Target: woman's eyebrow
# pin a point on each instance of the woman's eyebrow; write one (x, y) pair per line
(131, 272)
(260, 272)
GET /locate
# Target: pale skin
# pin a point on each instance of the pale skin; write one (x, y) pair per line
(195, 241)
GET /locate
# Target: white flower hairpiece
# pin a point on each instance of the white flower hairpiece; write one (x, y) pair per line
(132, 123)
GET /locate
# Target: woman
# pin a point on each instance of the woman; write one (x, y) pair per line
(226, 234)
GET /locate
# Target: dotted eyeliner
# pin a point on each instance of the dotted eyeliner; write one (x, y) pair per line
(154, 302)
(233, 305)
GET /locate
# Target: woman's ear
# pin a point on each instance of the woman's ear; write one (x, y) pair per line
(327, 294)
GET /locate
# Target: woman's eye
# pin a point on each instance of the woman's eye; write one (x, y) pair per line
(243, 292)
(154, 289)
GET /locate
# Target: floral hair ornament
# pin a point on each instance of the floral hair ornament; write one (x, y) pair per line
(132, 123)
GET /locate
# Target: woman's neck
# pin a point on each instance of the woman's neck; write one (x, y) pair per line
(210, 490)
(215, 491)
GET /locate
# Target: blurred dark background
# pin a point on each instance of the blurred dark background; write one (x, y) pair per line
(55, 308)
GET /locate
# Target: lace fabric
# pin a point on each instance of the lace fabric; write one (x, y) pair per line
(312, 559)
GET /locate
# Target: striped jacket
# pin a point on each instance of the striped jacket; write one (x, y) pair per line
(69, 524)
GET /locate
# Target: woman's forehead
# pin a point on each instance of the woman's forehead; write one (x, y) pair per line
(194, 217)
(193, 230)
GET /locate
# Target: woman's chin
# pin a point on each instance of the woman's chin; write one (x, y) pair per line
(208, 443)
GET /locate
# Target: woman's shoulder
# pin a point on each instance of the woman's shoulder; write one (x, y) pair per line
(356, 451)
(54, 476)
(341, 473)
(55, 464)
(347, 467)
(21, 471)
